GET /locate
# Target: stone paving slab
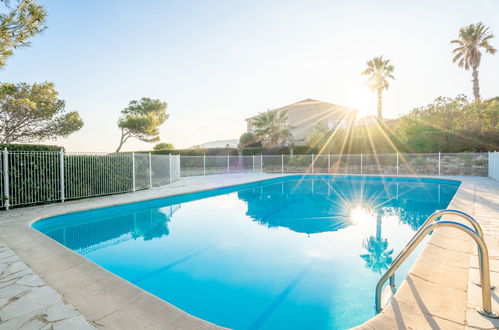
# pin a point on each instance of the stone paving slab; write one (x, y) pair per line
(26, 302)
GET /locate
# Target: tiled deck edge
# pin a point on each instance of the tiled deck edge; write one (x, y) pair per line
(26, 302)
(439, 291)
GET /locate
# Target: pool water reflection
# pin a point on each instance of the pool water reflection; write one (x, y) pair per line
(287, 253)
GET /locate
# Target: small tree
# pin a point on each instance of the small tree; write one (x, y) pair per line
(163, 146)
(472, 39)
(141, 120)
(271, 127)
(379, 71)
(248, 139)
(33, 113)
(19, 21)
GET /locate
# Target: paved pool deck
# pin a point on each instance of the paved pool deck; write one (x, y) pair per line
(437, 293)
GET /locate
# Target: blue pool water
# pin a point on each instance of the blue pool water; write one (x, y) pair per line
(287, 253)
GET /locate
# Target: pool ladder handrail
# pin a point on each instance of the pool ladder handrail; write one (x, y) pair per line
(428, 226)
(430, 220)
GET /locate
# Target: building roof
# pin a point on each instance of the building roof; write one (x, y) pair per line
(308, 101)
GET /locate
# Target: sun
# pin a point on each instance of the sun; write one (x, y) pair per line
(362, 100)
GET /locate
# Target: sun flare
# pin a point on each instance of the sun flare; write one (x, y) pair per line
(359, 214)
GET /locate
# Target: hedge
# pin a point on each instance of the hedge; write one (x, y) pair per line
(298, 150)
(89, 175)
(35, 177)
(29, 147)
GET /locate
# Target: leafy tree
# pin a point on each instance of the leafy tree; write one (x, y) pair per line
(471, 39)
(248, 139)
(271, 127)
(33, 113)
(141, 120)
(379, 71)
(163, 146)
(451, 125)
(19, 21)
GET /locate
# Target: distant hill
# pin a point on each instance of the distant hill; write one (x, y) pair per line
(218, 144)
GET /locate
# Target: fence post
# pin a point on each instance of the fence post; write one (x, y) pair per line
(6, 178)
(312, 163)
(496, 166)
(228, 164)
(253, 163)
(170, 167)
(133, 171)
(397, 163)
(179, 165)
(150, 171)
(439, 167)
(261, 163)
(204, 164)
(61, 166)
(490, 169)
(361, 164)
(329, 163)
(282, 163)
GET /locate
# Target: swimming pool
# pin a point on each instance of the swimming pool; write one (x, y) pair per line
(286, 253)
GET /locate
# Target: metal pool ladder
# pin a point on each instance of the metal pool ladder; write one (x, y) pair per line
(428, 226)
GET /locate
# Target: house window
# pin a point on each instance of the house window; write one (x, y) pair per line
(333, 124)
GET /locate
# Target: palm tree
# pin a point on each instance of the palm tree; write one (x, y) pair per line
(468, 54)
(271, 126)
(379, 71)
(378, 257)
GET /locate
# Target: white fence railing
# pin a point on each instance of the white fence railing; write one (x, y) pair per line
(494, 165)
(31, 177)
(475, 164)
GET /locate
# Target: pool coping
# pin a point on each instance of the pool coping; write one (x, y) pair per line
(109, 301)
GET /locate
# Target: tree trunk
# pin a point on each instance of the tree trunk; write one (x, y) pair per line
(378, 227)
(476, 85)
(380, 105)
(122, 141)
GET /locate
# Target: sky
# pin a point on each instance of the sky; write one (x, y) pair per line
(218, 62)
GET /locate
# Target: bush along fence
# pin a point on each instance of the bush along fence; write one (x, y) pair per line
(475, 164)
(34, 177)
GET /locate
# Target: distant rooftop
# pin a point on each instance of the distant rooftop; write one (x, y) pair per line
(232, 143)
(308, 101)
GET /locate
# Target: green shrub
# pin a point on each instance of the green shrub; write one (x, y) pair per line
(163, 146)
(29, 147)
(102, 175)
(34, 178)
(248, 139)
(197, 152)
(249, 151)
